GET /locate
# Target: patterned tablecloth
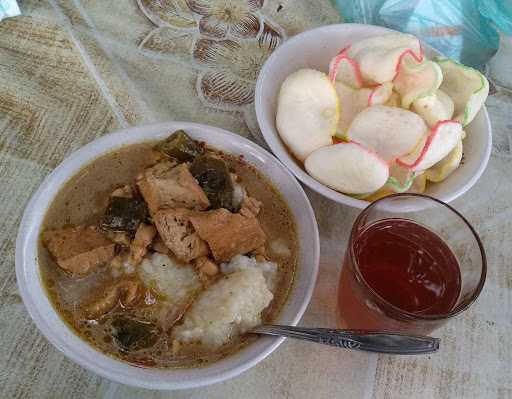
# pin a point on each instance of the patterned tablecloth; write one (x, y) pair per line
(73, 70)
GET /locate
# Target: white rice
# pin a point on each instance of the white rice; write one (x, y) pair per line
(177, 282)
(229, 307)
(241, 262)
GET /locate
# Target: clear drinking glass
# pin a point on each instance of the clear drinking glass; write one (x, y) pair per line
(361, 307)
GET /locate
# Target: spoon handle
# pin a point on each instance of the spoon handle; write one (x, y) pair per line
(364, 340)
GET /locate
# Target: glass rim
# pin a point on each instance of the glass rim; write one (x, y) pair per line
(395, 309)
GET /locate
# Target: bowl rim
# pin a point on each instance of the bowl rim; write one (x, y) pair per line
(76, 349)
(273, 141)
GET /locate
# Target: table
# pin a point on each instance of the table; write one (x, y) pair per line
(73, 70)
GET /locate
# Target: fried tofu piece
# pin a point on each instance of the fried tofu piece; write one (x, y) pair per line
(168, 186)
(228, 234)
(79, 250)
(178, 235)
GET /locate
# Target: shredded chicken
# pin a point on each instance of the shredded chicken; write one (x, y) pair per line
(159, 246)
(234, 177)
(119, 237)
(125, 292)
(260, 254)
(250, 207)
(139, 247)
(117, 262)
(205, 266)
(168, 316)
(123, 192)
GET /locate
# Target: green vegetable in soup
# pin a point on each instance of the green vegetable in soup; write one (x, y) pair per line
(124, 214)
(214, 178)
(132, 335)
(180, 147)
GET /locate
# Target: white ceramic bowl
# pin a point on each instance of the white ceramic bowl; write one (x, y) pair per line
(314, 49)
(51, 325)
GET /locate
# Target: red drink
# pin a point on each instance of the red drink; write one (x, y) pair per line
(409, 271)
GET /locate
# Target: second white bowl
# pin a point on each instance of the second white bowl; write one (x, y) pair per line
(314, 49)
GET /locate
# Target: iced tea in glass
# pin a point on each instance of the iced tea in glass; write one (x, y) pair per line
(412, 263)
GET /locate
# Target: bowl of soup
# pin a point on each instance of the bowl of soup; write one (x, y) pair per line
(148, 255)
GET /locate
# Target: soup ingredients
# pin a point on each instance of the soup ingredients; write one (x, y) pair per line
(307, 112)
(348, 167)
(227, 308)
(395, 103)
(79, 250)
(124, 214)
(244, 232)
(206, 267)
(119, 237)
(467, 87)
(213, 176)
(381, 129)
(180, 147)
(168, 186)
(442, 139)
(139, 247)
(132, 335)
(125, 191)
(434, 108)
(179, 235)
(250, 206)
(159, 246)
(415, 80)
(126, 292)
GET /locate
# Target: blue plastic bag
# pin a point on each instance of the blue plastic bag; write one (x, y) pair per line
(457, 28)
(8, 8)
(499, 12)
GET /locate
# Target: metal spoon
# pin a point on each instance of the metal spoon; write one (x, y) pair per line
(364, 340)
